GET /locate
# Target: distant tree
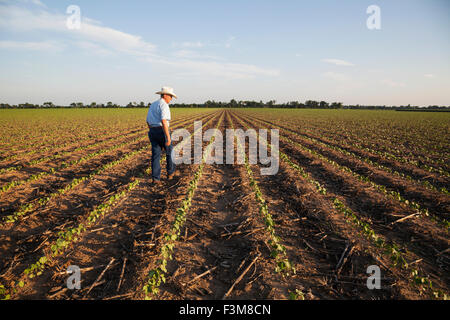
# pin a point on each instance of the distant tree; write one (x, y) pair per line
(336, 105)
(293, 104)
(311, 104)
(28, 105)
(243, 103)
(323, 104)
(270, 104)
(210, 104)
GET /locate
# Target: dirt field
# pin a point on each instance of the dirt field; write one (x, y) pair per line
(353, 190)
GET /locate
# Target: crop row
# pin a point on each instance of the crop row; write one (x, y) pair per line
(38, 129)
(134, 131)
(284, 266)
(62, 154)
(423, 183)
(418, 144)
(392, 194)
(394, 251)
(28, 207)
(69, 236)
(415, 140)
(25, 208)
(66, 237)
(386, 155)
(67, 142)
(157, 275)
(64, 165)
(420, 161)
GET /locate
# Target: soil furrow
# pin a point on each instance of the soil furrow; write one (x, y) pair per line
(435, 202)
(66, 210)
(123, 233)
(408, 169)
(421, 237)
(219, 236)
(58, 164)
(39, 188)
(315, 239)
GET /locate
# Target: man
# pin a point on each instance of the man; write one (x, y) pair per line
(158, 118)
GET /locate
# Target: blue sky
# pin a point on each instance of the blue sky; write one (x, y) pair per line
(220, 50)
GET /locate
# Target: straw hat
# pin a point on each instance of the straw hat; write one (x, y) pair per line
(167, 90)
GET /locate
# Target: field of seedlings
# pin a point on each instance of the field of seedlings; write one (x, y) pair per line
(355, 190)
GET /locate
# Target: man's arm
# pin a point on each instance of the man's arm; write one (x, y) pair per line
(165, 117)
(166, 131)
(147, 119)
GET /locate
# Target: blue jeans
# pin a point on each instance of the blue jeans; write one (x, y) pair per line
(158, 141)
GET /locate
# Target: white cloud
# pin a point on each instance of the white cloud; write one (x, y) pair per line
(27, 45)
(101, 40)
(23, 20)
(116, 39)
(33, 2)
(214, 68)
(190, 54)
(91, 21)
(336, 76)
(375, 71)
(428, 75)
(187, 44)
(20, 19)
(94, 48)
(202, 44)
(392, 83)
(36, 2)
(338, 62)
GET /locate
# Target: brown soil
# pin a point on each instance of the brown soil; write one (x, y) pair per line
(224, 249)
(123, 233)
(423, 238)
(413, 171)
(26, 159)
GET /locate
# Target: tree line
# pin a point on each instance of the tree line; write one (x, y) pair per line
(308, 104)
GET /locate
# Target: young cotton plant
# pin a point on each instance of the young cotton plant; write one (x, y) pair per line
(67, 237)
(157, 276)
(283, 265)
